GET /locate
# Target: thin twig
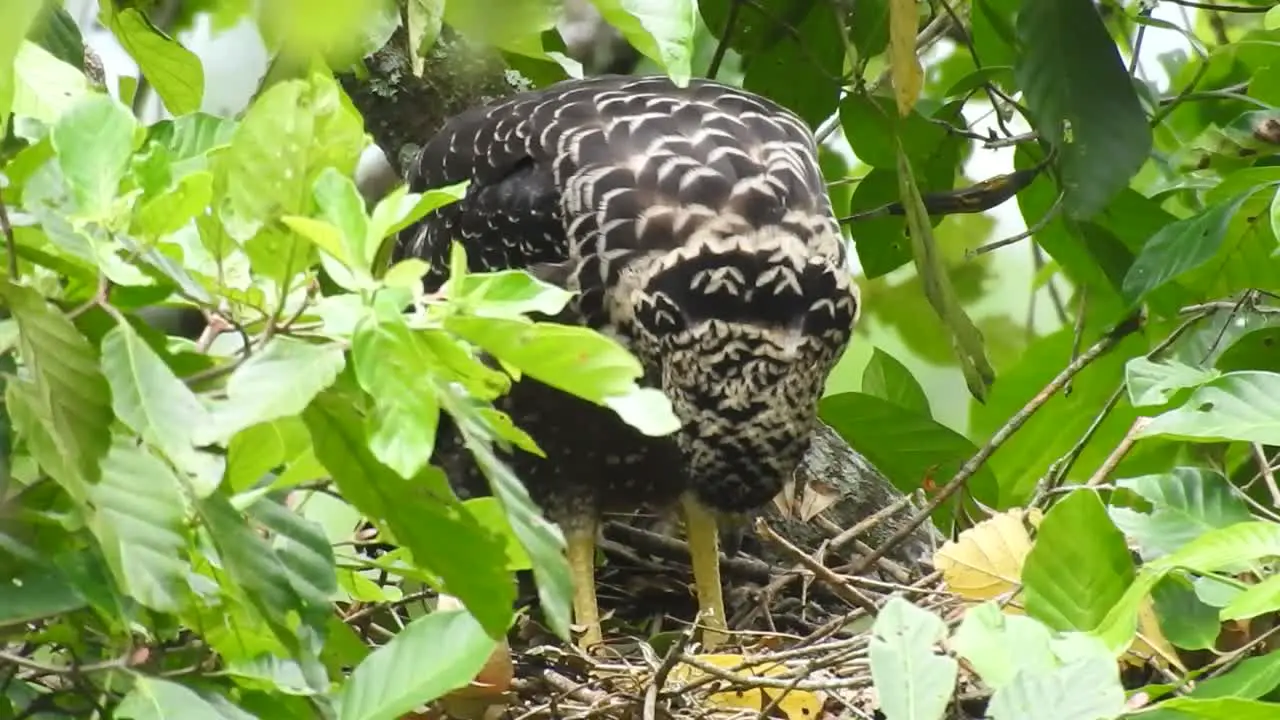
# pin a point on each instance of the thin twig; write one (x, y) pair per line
(1037, 227)
(1268, 476)
(1109, 465)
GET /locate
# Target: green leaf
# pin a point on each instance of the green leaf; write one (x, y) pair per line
(1186, 502)
(966, 338)
(1079, 566)
(907, 447)
(541, 539)
(1225, 708)
(1082, 101)
(58, 33)
(411, 669)
(15, 20)
(1256, 600)
(155, 699)
(1232, 546)
(256, 450)
(45, 86)
(1084, 689)
(489, 514)
(512, 25)
(171, 210)
(341, 205)
(36, 595)
(506, 294)
(154, 403)
(999, 646)
(574, 359)
(421, 515)
(394, 365)
(1178, 248)
(424, 20)
(397, 211)
(252, 564)
(888, 379)
(303, 549)
(1186, 620)
(72, 397)
(94, 142)
(1241, 406)
(139, 518)
(913, 680)
(278, 381)
(1252, 678)
(662, 30)
(174, 71)
(1151, 382)
(290, 133)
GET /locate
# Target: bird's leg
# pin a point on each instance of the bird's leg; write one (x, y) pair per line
(704, 552)
(580, 538)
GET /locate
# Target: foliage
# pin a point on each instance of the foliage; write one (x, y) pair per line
(180, 515)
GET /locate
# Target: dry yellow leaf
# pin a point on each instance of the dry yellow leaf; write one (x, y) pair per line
(804, 501)
(904, 66)
(796, 705)
(986, 561)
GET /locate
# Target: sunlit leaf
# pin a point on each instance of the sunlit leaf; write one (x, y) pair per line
(174, 71)
(94, 142)
(1079, 567)
(1151, 382)
(153, 698)
(888, 379)
(1242, 406)
(411, 669)
(1179, 247)
(139, 518)
(152, 401)
(276, 382)
(1185, 503)
(663, 30)
(913, 680)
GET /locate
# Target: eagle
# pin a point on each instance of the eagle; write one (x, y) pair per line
(691, 224)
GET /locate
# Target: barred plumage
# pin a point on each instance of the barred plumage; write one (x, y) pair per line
(694, 226)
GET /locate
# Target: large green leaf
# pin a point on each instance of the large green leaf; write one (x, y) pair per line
(1242, 406)
(512, 25)
(1079, 566)
(1179, 247)
(174, 71)
(291, 132)
(913, 680)
(73, 401)
(139, 518)
(1185, 503)
(45, 86)
(421, 514)
(153, 402)
(432, 655)
(304, 551)
(36, 595)
(1082, 100)
(394, 365)
(276, 382)
(908, 447)
(94, 142)
(252, 565)
(1083, 689)
(663, 30)
(1223, 708)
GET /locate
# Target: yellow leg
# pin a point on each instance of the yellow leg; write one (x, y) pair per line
(582, 568)
(704, 552)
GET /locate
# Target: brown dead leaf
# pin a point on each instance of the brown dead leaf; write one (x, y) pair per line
(986, 561)
(804, 501)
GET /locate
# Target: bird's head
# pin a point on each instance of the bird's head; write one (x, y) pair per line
(742, 332)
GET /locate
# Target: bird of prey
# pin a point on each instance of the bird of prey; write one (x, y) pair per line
(692, 224)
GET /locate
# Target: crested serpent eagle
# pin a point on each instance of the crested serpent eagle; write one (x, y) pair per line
(692, 224)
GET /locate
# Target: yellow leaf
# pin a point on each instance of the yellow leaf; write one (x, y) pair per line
(904, 66)
(796, 705)
(986, 561)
